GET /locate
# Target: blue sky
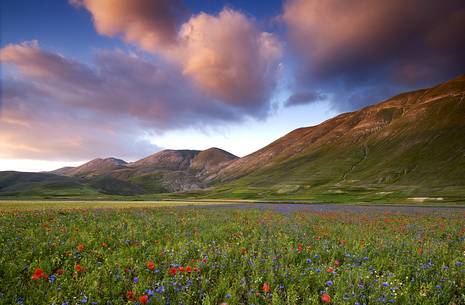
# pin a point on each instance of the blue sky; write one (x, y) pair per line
(99, 78)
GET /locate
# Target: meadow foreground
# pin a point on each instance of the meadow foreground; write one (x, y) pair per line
(230, 256)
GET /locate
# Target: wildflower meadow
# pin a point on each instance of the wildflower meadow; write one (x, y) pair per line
(230, 256)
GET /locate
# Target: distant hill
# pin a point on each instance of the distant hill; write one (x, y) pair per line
(410, 147)
(162, 172)
(94, 167)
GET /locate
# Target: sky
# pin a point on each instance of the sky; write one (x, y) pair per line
(82, 79)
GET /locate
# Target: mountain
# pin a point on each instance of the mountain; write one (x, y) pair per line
(164, 171)
(211, 160)
(94, 167)
(411, 145)
(408, 148)
(175, 170)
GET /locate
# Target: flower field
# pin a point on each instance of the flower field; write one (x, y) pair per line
(230, 256)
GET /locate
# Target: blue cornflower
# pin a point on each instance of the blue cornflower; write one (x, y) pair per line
(309, 261)
(135, 280)
(382, 299)
(228, 296)
(458, 264)
(149, 292)
(318, 270)
(52, 278)
(65, 303)
(385, 284)
(329, 283)
(160, 289)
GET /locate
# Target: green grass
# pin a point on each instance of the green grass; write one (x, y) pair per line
(234, 255)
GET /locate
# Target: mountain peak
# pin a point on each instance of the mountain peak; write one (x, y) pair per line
(211, 158)
(168, 159)
(95, 166)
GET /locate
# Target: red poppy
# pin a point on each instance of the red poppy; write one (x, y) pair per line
(300, 247)
(38, 273)
(189, 269)
(81, 247)
(79, 268)
(173, 271)
(105, 245)
(204, 260)
(197, 269)
(420, 250)
(326, 298)
(151, 265)
(130, 295)
(126, 270)
(337, 263)
(330, 270)
(144, 299)
(181, 269)
(266, 288)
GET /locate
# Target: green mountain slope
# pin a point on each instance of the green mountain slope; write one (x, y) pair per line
(412, 145)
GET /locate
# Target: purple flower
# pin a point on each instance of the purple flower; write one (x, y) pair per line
(329, 283)
(149, 292)
(160, 289)
(135, 280)
(52, 278)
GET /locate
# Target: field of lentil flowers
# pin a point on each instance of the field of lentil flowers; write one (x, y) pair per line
(230, 256)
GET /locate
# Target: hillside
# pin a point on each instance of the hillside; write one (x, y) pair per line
(412, 145)
(95, 167)
(162, 172)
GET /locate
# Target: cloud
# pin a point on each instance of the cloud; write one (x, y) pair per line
(56, 107)
(352, 45)
(229, 57)
(304, 97)
(152, 24)
(226, 56)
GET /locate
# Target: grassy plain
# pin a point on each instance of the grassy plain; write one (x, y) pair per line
(131, 253)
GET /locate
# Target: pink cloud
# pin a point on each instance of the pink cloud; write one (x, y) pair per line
(342, 46)
(227, 56)
(148, 23)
